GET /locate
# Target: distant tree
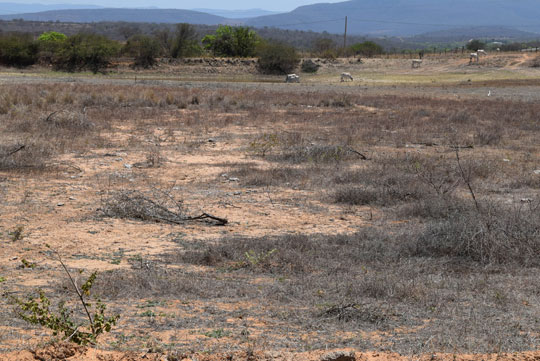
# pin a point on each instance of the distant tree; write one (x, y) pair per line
(511, 47)
(18, 50)
(184, 43)
(164, 38)
(325, 48)
(231, 41)
(367, 49)
(144, 49)
(49, 44)
(128, 31)
(85, 51)
(277, 58)
(475, 45)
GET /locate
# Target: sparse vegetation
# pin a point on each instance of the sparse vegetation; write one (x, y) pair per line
(349, 212)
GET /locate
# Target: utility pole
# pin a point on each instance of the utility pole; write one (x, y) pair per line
(345, 36)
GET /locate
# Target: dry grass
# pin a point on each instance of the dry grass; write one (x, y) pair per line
(428, 271)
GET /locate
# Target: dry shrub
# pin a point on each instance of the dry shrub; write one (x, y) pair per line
(299, 254)
(535, 63)
(354, 195)
(488, 136)
(389, 182)
(154, 206)
(338, 102)
(313, 153)
(490, 234)
(35, 155)
(277, 176)
(464, 116)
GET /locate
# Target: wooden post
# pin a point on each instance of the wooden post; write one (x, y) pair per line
(345, 36)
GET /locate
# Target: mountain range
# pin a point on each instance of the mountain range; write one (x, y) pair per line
(16, 8)
(370, 17)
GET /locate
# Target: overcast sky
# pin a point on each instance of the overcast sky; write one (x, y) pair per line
(276, 5)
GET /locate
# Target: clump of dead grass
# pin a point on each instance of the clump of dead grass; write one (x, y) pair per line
(153, 206)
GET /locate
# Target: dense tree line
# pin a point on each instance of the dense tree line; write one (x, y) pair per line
(91, 51)
(303, 41)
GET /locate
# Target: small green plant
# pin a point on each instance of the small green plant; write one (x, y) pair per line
(148, 313)
(263, 144)
(16, 234)
(219, 333)
(2, 279)
(38, 311)
(254, 259)
(27, 264)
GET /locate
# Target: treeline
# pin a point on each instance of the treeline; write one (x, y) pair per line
(87, 51)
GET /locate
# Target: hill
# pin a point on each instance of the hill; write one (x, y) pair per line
(237, 14)
(406, 17)
(499, 33)
(127, 15)
(7, 8)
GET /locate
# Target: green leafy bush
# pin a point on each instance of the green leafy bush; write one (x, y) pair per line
(309, 66)
(49, 43)
(144, 49)
(277, 58)
(367, 49)
(232, 41)
(18, 50)
(184, 43)
(475, 45)
(85, 51)
(38, 311)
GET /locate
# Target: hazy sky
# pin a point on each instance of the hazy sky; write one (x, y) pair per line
(277, 5)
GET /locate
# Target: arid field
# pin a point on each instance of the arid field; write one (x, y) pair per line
(231, 215)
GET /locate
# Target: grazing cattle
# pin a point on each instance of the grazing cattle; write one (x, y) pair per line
(476, 56)
(416, 63)
(345, 76)
(292, 78)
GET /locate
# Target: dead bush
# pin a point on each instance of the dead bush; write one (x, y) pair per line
(535, 63)
(495, 234)
(355, 195)
(277, 176)
(489, 136)
(313, 154)
(18, 156)
(155, 206)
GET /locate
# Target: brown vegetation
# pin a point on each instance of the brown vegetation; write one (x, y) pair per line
(401, 223)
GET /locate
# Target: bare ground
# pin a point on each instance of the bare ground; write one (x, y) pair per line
(323, 249)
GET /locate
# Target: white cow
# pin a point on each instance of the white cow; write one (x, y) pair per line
(476, 56)
(292, 78)
(416, 63)
(345, 76)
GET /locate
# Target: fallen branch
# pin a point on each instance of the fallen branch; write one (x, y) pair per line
(49, 117)
(362, 156)
(162, 207)
(19, 148)
(222, 221)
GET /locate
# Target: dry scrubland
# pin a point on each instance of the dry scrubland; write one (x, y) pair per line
(352, 221)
